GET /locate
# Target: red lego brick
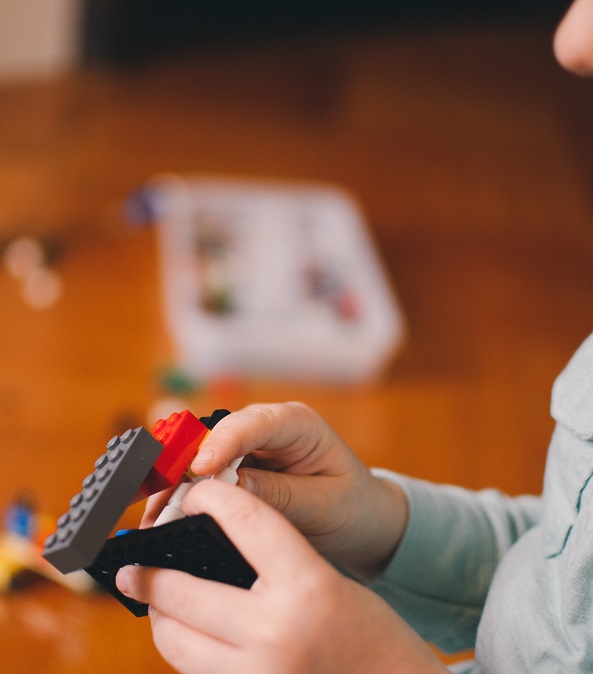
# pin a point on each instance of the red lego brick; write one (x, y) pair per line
(181, 436)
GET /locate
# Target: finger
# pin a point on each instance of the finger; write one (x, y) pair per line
(214, 608)
(292, 427)
(190, 651)
(304, 500)
(154, 506)
(259, 532)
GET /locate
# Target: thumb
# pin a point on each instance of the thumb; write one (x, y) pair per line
(309, 502)
(271, 487)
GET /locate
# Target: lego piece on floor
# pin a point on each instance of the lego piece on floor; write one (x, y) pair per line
(11, 562)
(196, 545)
(181, 435)
(106, 493)
(173, 381)
(21, 546)
(19, 554)
(20, 516)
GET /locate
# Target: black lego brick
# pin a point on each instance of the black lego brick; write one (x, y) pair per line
(196, 545)
(214, 418)
(106, 493)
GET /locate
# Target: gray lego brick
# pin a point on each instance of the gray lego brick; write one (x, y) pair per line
(106, 493)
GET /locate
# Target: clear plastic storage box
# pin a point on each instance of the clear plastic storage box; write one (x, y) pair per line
(273, 280)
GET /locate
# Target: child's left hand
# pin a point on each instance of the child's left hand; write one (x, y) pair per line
(301, 615)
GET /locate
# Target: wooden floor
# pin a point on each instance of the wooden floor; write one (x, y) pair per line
(472, 154)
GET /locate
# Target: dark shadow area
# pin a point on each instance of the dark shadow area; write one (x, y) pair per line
(118, 32)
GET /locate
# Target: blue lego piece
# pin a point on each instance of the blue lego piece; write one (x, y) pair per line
(20, 517)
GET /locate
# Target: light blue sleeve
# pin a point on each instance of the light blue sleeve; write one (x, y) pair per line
(441, 572)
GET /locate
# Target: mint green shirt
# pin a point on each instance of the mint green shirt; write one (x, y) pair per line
(510, 577)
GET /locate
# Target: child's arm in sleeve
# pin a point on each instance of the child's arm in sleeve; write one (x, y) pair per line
(443, 568)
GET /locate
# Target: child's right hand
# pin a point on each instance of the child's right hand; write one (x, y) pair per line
(300, 615)
(301, 467)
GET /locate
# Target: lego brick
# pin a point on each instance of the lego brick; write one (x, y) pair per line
(214, 418)
(181, 435)
(106, 493)
(196, 545)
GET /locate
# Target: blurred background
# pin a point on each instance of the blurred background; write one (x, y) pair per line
(468, 149)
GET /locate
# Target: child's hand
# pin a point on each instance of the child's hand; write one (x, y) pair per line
(300, 615)
(304, 470)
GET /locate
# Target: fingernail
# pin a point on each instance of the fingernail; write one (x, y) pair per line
(122, 580)
(247, 482)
